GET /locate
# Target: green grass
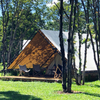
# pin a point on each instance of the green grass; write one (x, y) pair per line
(10, 90)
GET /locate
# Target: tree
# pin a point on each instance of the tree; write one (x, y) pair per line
(93, 18)
(70, 47)
(19, 19)
(52, 22)
(1, 36)
(62, 49)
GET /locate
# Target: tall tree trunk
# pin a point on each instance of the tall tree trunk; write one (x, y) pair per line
(62, 48)
(99, 74)
(80, 39)
(94, 54)
(70, 42)
(99, 37)
(85, 55)
(3, 41)
(80, 60)
(97, 31)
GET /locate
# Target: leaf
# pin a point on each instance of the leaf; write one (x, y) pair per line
(76, 25)
(88, 40)
(74, 42)
(83, 41)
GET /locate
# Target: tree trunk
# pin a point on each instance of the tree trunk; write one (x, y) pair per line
(70, 51)
(80, 61)
(98, 74)
(62, 49)
(87, 21)
(3, 41)
(75, 73)
(3, 57)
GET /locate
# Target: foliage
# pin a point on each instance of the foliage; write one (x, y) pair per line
(53, 17)
(21, 20)
(92, 13)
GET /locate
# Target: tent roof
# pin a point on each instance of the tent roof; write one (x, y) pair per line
(39, 51)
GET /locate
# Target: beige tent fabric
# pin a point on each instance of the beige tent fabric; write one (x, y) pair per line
(38, 51)
(57, 60)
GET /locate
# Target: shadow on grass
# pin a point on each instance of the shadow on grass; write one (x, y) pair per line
(92, 94)
(95, 86)
(98, 86)
(12, 95)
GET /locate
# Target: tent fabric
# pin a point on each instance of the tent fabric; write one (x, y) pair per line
(38, 51)
(57, 61)
(53, 36)
(41, 50)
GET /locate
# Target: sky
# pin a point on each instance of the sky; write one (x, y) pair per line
(52, 3)
(49, 4)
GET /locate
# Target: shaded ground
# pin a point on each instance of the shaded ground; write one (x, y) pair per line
(12, 95)
(72, 92)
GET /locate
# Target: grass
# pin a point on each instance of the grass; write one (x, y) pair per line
(17, 90)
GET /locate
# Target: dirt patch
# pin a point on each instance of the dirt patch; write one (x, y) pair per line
(72, 92)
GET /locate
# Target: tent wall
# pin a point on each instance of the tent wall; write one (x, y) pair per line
(57, 60)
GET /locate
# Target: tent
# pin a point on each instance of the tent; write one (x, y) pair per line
(43, 50)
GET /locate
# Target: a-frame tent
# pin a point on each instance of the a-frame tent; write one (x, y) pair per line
(43, 50)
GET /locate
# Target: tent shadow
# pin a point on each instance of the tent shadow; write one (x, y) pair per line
(12, 95)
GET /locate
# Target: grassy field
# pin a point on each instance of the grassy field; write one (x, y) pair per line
(17, 90)
(10, 90)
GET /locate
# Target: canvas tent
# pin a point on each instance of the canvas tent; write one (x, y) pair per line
(43, 50)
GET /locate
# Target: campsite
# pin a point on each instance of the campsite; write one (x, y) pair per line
(49, 49)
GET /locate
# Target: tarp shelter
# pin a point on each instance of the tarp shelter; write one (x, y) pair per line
(43, 50)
